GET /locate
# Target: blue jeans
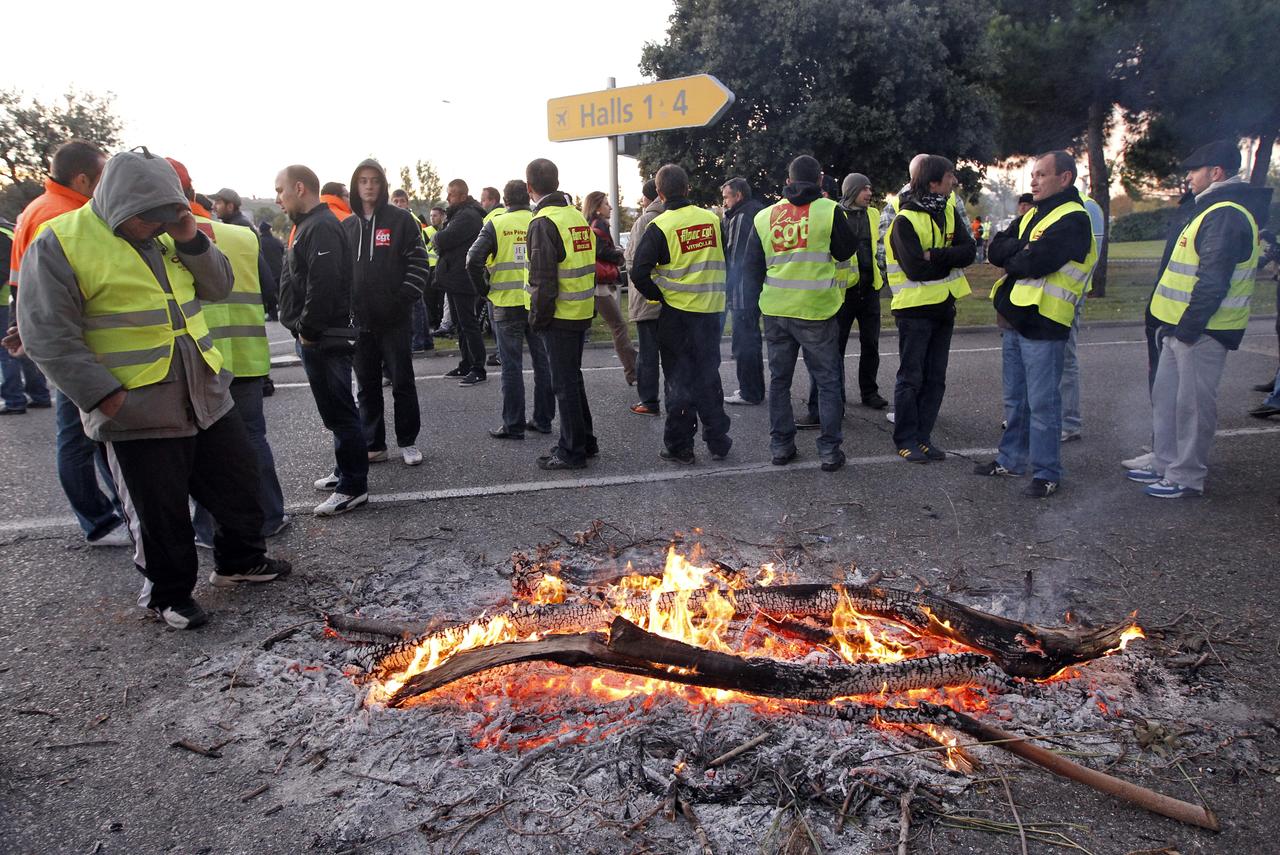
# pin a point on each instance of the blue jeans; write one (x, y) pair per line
(21, 377)
(78, 456)
(511, 331)
(819, 340)
(648, 370)
(1032, 406)
(748, 351)
(421, 328)
(329, 374)
(1273, 400)
(924, 346)
(564, 354)
(247, 393)
(1071, 420)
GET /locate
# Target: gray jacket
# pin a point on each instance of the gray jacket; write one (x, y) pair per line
(51, 316)
(639, 307)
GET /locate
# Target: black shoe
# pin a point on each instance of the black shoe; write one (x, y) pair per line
(472, 379)
(442, 332)
(39, 405)
(12, 411)
(186, 615)
(686, 457)
(808, 423)
(719, 455)
(268, 387)
(457, 372)
(503, 433)
(493, 361)
(1264, 411)
(834, 464)
(1264, 387)
(932, 452)
(1039, 488)
(784, 459)
(874, 401)
(555, 461)
(912, 455)
(990, 470)
(593, 450)
(268, 571)
(533, 426)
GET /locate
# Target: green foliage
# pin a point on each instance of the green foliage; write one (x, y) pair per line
(423, 184)
(1145, 225)
(862, 87)
(30, 130)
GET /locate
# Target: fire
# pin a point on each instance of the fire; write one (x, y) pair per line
(1128, 635)
(550, 590)
(857, 640)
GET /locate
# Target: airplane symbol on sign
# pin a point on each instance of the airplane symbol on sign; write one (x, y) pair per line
(562, 117)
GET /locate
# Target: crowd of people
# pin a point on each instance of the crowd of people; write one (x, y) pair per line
(146, 310)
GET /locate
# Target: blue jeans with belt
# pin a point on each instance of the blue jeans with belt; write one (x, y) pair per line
(1032, 370)
(21, 378)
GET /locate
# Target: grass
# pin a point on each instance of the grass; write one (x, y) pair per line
(1136, 249)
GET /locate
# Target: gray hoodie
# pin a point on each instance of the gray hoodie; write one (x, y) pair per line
(640, 307)
(51, 316)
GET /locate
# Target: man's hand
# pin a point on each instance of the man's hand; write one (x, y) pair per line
(112, 403)
(927, 255)
(12, 342)
(184, 229)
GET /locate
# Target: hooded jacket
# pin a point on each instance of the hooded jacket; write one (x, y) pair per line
(52, 323)
(462, 225)
(739, 225)
(1223, 241)
(389, 260)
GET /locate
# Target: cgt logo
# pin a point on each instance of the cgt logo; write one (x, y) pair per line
(581, 238)
(697, 237)
(789, 227)
(382, 237)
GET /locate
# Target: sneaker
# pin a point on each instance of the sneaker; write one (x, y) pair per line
(737, 400)
(1071, 436)
(536, 428)
(386, 381)
(685, 457)
(808, 423)
(118, 536)
(503, 433)
(457, 372)
(555, 461)
(784, 459)
(379, 456)
(1143, 476)
(1142, 461)
(7, 410)
(201, 543)
(493, 360)
(1264, 387)
(875, 401)
(442, 332)
(719, 455)
(328, 482)
(268, 571)
(1262, 411)
(186, 615)
(834, 464)
(932, 451)
(40, 405)
(645, 410)
(412, 456)
(912, 455)
(268, 387)
(1163, 489)
(340, 503)
(1004, 424)
(1039, 488)
(888, 417)
(472, 379)
(991, 470)
(285, 522)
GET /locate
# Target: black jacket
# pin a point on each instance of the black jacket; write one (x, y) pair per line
(315, 285)
(389, 271)
(942, 260)
(1066, 240)
(462, 224)
(860, 225)
(273, 252)
(843, 245)
(1223, 241)
(546, 251)
(739, 225)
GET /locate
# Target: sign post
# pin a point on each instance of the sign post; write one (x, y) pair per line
(615, 218)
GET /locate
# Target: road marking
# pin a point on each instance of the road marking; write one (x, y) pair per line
(38, 525)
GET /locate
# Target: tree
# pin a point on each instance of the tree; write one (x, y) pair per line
(862, 87)
(428, 188)
(30, 130)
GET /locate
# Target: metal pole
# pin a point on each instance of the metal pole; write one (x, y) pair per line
(615, 219)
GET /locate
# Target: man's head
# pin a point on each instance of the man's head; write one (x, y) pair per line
(400, 198)
(78, 165)
(456, 192)
(734, 192)
(1051, 174)
(489, 198)
(914, 167)
(515, 194)
(673, 182)
(1211, 163)
(935, 175)
(370, 184)
(648, 194)
(297, 189)
(226, 203)
(804, 168)
(542, 176)
(437, 216)
(830, 188)
(153, 223)
(336, 188)
(1025, 203)
(855, 190)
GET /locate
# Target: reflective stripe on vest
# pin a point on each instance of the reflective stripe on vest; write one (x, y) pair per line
(432, 256)
(908, 293)
(1055, 296)
(509, 264)
(237, 324)
(800, 281)
(130, 320)
(1173, 292)
(4, 289)
(694, 279)
(575, 297)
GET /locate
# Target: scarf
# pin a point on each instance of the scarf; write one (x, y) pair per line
(933, 203)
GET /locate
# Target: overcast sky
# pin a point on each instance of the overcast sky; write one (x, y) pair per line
(237, 90)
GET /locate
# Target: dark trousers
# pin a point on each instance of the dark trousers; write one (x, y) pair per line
(247, 393)
(467, 324)
(924, 345)
(747, 348)
(787, 337)
(433, 300)
(648, 372)
(329, 375)
(863, 307)
(689, 343)
(564, 354)
(421, 329)
(389, 350)
(81, 462)
(218, 469)
(511, 330)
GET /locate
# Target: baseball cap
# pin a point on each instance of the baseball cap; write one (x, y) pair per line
(183, 175)
(1222, 153)
(228, 195)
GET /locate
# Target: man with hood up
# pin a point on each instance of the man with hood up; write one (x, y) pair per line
(390, 273)
(111, 312)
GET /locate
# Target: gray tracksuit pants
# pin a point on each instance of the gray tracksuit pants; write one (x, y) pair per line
(1184, 408)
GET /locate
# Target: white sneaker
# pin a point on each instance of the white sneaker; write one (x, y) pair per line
(412, 456)
(340, 503)
(737, 400)
(118, 536)
(378, 456)
(328, 482)
(888, 417)
(1142, 461)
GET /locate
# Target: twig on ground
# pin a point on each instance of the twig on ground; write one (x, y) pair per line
(287, 752)
(188, 745)
(701, 833)
(287, 632)
(92, 743)
(904, 821)
(1022, 833)
(250, 795)
(34, 711)
(739, 751)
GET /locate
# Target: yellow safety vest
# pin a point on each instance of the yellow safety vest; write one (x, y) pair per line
(4, 289)
(130, 321)
(908, 293)
(1054, 296)
(237, 324)
(694, 279)
(800, 281)
(1173, 291)
(509, 264)
(496, 212)
(575, 299)
(432, 256)
(847, 271)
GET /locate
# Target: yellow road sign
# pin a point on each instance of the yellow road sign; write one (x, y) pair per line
(685, 102)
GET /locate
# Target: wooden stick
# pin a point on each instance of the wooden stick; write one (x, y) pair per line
(1022, 832)
(701, 833)
(904, 822)
(739, 751)
(188, 745)
(375, 626)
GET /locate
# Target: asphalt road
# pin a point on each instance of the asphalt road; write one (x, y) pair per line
(71, 638)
